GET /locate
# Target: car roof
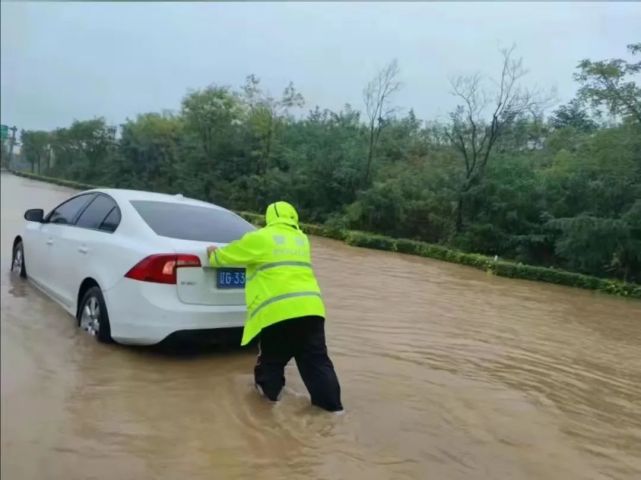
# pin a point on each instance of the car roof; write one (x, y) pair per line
(123, 195)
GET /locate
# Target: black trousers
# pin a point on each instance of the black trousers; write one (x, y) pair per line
(304, 340)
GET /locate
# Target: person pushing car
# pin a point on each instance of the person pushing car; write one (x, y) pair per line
(285, 308)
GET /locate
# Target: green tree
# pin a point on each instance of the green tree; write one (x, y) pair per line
(4, 154)
(35, 147)
(573, 116)
(150, 148)
(610, 84)
(211, 113)
(85, 150)
(591, 244)
(324, 161)
(213, 118)
(267, 117)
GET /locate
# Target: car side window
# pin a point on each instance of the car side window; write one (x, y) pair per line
(66, 213)
(97, 211)
(111, 221)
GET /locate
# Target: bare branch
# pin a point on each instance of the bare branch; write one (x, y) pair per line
(377, 93)
(480, 120)
(377, 96)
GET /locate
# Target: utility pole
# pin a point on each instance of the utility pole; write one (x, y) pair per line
(12, 142)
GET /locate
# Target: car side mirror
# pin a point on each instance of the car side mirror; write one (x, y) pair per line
(34, 215)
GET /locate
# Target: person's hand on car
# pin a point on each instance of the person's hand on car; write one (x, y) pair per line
(211, 249)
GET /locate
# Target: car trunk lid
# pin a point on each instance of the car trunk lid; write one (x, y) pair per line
(200, 285)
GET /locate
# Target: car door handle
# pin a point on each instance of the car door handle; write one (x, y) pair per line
(50, 241)
(83, 250)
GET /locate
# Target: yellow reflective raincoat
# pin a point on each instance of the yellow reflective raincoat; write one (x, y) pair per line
(280, 281)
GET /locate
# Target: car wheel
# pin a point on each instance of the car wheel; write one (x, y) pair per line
(17, 261)
(93, 317)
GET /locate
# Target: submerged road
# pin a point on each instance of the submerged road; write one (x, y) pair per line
(447, 373)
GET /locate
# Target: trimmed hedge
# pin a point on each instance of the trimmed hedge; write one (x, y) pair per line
(56, 181)
(412, 247)
(497, 267)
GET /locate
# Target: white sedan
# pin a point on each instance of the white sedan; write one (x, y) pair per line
(131, 266)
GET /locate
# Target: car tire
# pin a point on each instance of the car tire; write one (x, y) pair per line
(93, 317)
(17, 260)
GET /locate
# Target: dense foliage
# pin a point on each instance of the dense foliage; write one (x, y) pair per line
(501, 179)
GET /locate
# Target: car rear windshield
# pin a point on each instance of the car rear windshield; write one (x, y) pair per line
(191, 222)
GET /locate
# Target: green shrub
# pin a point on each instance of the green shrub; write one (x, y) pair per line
(335, 227)
(368, 240)
(410, 247)
(335, 233)
(253, 218)
(316, 230)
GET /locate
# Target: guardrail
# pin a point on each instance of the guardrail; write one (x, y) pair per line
(500, 268)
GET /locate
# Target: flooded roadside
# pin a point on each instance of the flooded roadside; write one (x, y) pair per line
(446, 372)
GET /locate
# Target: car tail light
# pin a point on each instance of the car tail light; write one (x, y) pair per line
(162, 268)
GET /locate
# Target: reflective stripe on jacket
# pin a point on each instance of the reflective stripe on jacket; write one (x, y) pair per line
(280, 282)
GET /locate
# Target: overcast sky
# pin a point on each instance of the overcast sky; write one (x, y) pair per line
(66, 61)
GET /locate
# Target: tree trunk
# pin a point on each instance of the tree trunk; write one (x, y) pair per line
(459, 213)
(370, 156)
(268, 146)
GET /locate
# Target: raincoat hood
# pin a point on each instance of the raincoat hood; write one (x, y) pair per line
(281, 213)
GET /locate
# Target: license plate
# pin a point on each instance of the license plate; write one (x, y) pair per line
(230, 278)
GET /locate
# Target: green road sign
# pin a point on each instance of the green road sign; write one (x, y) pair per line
(4, 132)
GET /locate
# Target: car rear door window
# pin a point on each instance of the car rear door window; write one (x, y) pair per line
(66, 213)
(97, 211)
(111, 221)
(192, 222)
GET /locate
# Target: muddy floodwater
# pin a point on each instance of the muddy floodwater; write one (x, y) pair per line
(447, 373)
